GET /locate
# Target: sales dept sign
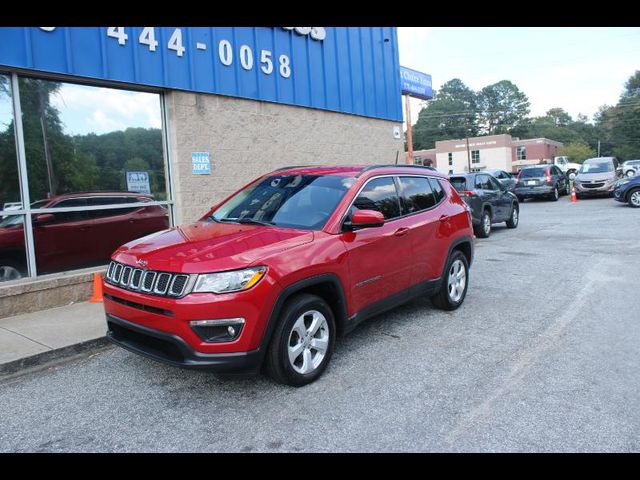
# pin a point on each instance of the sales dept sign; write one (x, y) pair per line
(200, 163)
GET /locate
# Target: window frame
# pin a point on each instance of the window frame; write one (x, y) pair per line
(26, 211)
(345, 214)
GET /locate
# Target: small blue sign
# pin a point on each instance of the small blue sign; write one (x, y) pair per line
(415, 84)
(200, 163)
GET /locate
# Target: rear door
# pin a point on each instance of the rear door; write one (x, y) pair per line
(379, 258)
(419, 201)
(503, 200)
(487, 192)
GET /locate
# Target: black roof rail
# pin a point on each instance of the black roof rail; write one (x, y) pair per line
(291, 166)
(371, 167)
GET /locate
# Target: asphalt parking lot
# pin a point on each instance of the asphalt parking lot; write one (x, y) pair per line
(544, 355)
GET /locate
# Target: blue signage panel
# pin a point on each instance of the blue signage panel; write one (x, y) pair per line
(416, 84)
(345, 69)
(200, 163)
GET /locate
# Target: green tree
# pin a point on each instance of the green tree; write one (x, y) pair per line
(577, 152)
(503, 107)
(452, 113)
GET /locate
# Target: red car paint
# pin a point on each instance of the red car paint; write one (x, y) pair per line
(402, 252)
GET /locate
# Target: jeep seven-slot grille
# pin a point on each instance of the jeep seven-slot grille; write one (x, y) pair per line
(147, 281)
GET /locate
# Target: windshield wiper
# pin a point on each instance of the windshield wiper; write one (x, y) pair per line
(247, 221)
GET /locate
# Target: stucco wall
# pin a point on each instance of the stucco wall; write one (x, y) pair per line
(246, 138)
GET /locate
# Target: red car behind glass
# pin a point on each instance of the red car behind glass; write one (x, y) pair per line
(276, 271)
(68, 240)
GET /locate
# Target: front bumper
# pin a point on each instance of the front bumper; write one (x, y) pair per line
(606, 189)
(173, 350)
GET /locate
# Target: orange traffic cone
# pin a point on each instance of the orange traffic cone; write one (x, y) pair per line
(97, 288)
(574, 199)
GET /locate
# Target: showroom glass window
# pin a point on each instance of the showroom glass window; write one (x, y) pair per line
(12, 240)
(96, 171)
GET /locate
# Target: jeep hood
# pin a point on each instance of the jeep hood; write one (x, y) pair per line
(208, 247)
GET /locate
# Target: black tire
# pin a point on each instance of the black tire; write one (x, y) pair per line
(520, 198)
(11, 270)
(555, 195)
(632, 198)
(443, 298)
(579, 196)
(513, 222)
(277, 359)
(484, 229)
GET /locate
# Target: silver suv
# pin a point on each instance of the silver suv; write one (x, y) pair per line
(630, 167)
(597, 176)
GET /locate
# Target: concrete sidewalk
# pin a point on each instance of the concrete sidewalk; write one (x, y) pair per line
(33, 339)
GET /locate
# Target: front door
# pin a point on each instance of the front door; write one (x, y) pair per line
(379, 258)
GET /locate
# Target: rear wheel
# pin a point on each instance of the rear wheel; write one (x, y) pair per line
(555, 195)
(630, 173)
(520, 198)
(634, 198)
(455, 282)
(303, 341)
(514, 218)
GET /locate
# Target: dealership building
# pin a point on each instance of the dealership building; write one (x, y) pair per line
(501, 152)
(111, 133)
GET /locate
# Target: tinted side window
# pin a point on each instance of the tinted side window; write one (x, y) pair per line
(494, 184)
(64, 217)
(438, 191)
(482, 182)
(379, 194)
(416, 194)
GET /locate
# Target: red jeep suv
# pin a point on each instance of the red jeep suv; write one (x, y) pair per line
(275, 272)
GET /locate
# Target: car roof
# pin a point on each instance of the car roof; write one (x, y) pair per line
(66, 196)
(356, 170)
(599, 159)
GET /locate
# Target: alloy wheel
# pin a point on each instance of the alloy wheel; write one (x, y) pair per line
(8, 273)
(308, 342)
(457, 280)
(635, 198)
(514, 216)
(486, 224)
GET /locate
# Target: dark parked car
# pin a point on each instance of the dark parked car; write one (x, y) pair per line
(77, 239)
(541, 181)
(628, 190)
(504, 178)
(490, 202)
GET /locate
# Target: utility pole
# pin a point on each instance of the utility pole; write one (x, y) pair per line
(598, 147)
(466, 121)
(407, 103)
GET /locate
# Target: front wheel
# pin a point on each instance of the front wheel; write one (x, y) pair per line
(303, 341)
(555, 195)
(455, 282)
(630, 173)
(634, 198)
(514, 218)
(484, 229)
(10, 270)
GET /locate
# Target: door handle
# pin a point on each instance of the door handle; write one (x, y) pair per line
(401, 232)
(444, 218)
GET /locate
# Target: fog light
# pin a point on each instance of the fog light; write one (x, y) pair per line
(220, 330)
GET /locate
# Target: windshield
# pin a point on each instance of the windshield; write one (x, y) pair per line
(601, 167)
(533, 172)
(294, 201)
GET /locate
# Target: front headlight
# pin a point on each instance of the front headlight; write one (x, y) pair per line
(234, 281)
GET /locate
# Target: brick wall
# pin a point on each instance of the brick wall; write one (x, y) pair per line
(246, 138)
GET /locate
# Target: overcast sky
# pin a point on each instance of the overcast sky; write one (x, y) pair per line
(575, 68)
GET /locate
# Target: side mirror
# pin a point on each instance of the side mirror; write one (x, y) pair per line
(366, 218)
(43, 218)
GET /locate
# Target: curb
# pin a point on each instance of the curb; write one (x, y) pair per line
(51, 356)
